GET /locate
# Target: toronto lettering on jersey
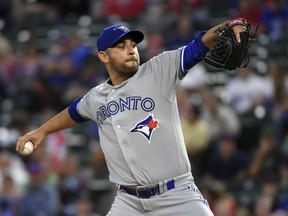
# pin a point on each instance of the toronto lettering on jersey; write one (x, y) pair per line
(128, 103)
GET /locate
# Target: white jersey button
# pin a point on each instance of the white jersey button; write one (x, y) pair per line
(125, 144)
(113, 90)
(133, 164)
(118, 126)
(111, 98)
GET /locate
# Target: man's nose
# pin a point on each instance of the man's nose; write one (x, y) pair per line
(131, 50)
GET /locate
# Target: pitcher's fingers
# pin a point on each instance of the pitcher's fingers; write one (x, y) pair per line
(237, 30)
(237, 35)
(20, 143)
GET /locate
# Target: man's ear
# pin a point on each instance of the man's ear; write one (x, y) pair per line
(103, 56)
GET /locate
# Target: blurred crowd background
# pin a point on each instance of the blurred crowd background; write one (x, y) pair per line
(235, 123)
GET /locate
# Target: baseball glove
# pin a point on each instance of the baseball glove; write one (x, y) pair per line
(227, 53)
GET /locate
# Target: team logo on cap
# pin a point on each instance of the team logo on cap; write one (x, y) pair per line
(146, 127)
(121, 27)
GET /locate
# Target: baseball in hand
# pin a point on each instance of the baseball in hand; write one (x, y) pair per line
(28, 148)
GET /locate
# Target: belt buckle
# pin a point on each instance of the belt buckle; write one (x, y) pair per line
(148, 192)
(137, 191)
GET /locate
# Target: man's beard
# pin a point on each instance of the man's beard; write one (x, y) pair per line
(124, 70)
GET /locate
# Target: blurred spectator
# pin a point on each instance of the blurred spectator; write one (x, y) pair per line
(227, 163)
(282, 130)
(250, 10)
(31, 60)
(39, 199)
(71, 10)
(184, 33)
(123, 9)
(196, 136)
(5, 13)
(71, 185)
(219, 116)
(79, 53)
(58, 67)
(9, 197)
(267, 198)
(283, 175)
(282, 202)
(277, 76)
(243, 212)
(221, 202)
(13, 166)
(263, 206)
(186, 6)
(247, 90)
(248, 94)
(225, 205)
(70, 61)
(159, 18)
(32, 87)
(5, 51)
(58, 71)
(41, 12)
(275, 19)
(84, 207)
(279, 213)
(220, 9)
(267, 158)
(10, 64)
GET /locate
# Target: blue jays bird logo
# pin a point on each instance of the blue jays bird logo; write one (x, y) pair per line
(121, 27)
(146, 127)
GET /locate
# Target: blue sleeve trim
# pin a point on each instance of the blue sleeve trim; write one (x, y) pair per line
(73, 112)
(193, 53)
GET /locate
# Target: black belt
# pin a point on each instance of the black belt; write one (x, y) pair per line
(149, 191)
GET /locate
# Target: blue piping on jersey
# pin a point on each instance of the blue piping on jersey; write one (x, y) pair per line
(73, 112)
(192, 53)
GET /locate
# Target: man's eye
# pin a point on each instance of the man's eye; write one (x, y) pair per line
(121, 46)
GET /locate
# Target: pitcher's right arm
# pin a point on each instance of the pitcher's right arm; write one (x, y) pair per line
(59, 122)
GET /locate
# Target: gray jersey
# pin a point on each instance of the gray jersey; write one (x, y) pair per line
(139, 125)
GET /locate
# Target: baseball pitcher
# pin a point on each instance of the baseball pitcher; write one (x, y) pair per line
(139, 125)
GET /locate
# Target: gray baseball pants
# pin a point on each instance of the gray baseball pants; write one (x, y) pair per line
(184, 200)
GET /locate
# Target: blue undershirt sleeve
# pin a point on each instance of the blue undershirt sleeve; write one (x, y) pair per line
(73, 112)
(193, 53)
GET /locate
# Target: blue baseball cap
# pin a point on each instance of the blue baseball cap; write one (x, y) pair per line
(112, 34)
